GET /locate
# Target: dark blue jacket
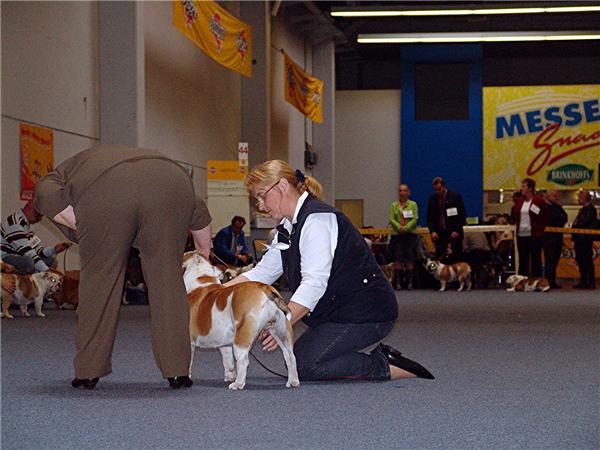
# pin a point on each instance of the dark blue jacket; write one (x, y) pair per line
(222, 244)
(357, 290)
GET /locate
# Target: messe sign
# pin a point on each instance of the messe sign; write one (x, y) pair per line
(548, 133)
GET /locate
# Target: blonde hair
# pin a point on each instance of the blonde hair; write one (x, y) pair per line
(270, 172)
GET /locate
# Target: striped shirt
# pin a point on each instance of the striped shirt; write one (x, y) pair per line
(19, 239)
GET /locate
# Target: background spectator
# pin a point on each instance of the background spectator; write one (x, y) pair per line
(477, 252)
(530, 212)
(21, 248)
(586, 218)
(553, 242)
(446, 215)
(229, 244)
(404, 215)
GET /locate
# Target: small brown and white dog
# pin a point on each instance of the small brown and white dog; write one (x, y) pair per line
(526, 284)
(231, 318)
(30, 289)
(445, 273)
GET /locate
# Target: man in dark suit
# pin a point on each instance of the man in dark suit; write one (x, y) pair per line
(446, 216)
(584, 253)
(229, 244)
(553, 242)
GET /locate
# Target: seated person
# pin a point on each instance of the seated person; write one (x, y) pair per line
(21, 248)
(502, 241)
(476, 251)
(229, 244)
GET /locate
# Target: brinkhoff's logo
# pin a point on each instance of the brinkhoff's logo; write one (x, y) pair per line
(570, 174)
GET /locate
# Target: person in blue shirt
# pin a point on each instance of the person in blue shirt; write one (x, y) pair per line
(229, 244)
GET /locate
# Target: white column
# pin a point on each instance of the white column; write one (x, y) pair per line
(323, 63)
(121, 69)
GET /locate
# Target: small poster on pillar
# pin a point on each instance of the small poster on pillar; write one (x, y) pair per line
(37, 156)
(243, 154)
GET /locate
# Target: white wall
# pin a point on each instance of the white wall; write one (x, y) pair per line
(49, 78)
(193, 104)
(287, 123)
(367, 142)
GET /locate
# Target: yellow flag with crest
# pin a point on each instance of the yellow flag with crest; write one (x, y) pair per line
(303, 91)
(221, 35)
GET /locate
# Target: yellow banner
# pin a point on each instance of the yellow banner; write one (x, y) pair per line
(303, 91)
(222, 36)
(225, 170)
(548, 133)
(37, 156)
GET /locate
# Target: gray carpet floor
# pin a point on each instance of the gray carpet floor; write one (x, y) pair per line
(514, 371)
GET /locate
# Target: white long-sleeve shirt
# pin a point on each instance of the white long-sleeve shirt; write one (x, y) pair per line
(317, 248)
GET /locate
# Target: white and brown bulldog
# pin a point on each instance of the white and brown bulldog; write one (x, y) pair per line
(445, 273)
(30, 289)
(526, 284)
(231, 318)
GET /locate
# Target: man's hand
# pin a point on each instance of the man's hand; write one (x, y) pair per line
(243, 258)
(58, 248)
(268, 342)
(454, 235)
(434, 236)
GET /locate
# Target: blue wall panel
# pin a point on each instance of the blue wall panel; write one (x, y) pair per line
(452, 149)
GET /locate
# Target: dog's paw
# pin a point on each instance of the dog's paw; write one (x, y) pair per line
(441, 289)
(292, 383)
(8, 316)
(40, 314)
(235, 386)
(229, 378)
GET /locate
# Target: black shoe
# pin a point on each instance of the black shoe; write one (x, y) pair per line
(580, 286)
(179, 382)
(84, 383)
(555, 286)
(395, 358)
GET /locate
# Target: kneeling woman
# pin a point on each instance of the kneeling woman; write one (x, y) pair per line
(338, 289)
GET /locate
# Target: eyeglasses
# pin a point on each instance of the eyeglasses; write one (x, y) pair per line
(260, 198)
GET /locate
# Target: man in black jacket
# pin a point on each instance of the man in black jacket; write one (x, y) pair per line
(446, 216)
(586, 218)
(553, 242)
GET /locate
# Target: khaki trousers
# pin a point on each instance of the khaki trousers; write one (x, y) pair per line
(147, 204)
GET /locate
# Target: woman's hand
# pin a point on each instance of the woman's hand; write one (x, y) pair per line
(297, 311)
(268, 342)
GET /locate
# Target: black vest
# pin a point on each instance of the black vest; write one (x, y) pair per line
(357, 290)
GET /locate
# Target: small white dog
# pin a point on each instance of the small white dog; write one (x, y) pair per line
(231, 318)
(445, 273)
(30, 289)
(526, 284)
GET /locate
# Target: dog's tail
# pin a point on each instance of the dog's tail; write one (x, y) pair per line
(276, 298)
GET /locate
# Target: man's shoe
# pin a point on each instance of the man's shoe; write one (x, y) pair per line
(555, 286)
(395, 358)
(179, 382)
(84, 383)
(580, 286)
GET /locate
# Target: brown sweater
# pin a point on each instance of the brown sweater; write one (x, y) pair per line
(63, 186)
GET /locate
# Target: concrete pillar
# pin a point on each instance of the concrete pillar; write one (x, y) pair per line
(121, 69)
(256, 91)
(323, 134)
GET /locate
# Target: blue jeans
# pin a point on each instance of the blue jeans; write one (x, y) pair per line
(331, 351)
(25, 264)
